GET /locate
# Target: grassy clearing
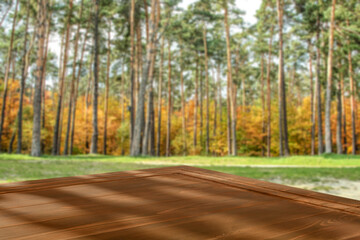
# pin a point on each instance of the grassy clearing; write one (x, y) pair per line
(24, 167)
(330, 160)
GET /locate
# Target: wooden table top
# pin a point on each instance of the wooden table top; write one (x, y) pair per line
(171, 203)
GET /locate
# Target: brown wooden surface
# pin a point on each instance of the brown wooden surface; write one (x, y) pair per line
(171, 203)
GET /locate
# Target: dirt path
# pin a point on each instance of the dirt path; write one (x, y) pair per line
(160, 163)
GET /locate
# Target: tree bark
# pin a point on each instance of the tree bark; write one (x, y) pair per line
(87, 101)
(338, 121)
(73, 83)
(215, 78)
(36, 136)
(168, 130)
(55, 149)
(219, 88)
(328, 140)
(12, 140)
(183, 117)
(352, 105)
(139, 65)
(201, 126)
(150, 51)
(76, 93)
(122, 106)
(7, 70)
(343, 106)
(10, 120)
(312, 105)
(106, 107)
(232, 99)
(160, 97)
(352, 101)
(284, 145)
(196, 102)
(318, 91)
(268, 93)
(95, 133)
(132, 70)
(25, 59)
(43, 94)
(148, 138)
(206, 92)
(263, 124)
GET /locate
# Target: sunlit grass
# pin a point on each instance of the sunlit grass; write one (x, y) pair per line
(23, 167)
(330, 160)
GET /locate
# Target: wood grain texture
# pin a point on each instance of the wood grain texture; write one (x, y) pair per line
(171, 203)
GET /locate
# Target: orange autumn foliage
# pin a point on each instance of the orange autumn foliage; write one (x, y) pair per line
(249, 126)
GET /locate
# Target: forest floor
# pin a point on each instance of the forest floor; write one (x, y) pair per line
(334, 174)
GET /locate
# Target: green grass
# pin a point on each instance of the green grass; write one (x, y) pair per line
(326, 160)
(304, 168)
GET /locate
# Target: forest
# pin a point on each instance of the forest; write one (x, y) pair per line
(152, 78)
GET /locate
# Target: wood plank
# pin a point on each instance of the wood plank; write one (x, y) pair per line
(171, 203)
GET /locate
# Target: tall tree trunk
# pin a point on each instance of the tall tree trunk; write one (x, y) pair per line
(196, 102)
(228, 116)
(219, 88)
(150, 51)
(328, 140)
(343, 106)
(206, 92)
(139, 65)
(152, 127)
(10, 120)
(152, 107)
(230, 83)
(284, 145)
(243, 86)
(146, 20)
(352, 101)
(318, 90)
(281, 129)
(268, 93)
(122, 106)
(312, 105)
(43, 94)
(73, 83)
(55, 149)
(36, 136)
(61, 68)
(183, 117)
(148, 138)
(352, 105)
(12, 140)
(107, 90)
(168, 130)
(24, 69)
(76, 92)
(95, 133)
(263, 124)
(216, 78)
(338, 120)
(132, 70)
(160, 97)
(87, 101)
(149, 111)
(201, 107)
(7, 70)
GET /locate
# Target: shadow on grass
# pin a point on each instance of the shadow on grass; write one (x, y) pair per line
(334, 156)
